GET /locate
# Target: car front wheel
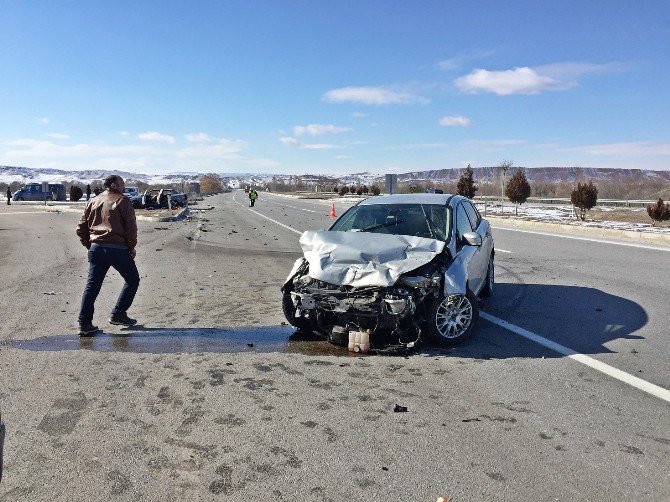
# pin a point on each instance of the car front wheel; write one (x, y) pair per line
(451, 319)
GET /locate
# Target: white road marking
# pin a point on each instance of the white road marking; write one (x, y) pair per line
(267, 218)
(631, 380)
(622, 376)
(498, 250)
(588, 239)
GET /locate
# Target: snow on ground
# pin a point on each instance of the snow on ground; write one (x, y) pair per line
(564, 214)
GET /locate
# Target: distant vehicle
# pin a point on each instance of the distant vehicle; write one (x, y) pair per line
(133, 193)
(158, 198)
(33, 191)
(434, 190)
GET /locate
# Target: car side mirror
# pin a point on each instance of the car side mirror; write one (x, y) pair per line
(472, 239)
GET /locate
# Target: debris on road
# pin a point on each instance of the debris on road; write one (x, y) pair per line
(399, 409)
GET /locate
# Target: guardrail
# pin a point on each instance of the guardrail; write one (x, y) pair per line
(566, 201)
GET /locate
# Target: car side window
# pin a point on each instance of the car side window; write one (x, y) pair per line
(473, 215)
(462, 222)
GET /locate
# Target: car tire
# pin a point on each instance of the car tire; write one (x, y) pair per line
(489, 282)
(451, 319)
(20, 199)
(304, 325)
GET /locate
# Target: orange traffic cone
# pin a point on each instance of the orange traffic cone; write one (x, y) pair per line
(332, 211)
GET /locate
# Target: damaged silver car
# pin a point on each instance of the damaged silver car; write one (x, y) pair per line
(393, 270)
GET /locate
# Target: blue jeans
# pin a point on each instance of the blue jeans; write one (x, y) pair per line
(100, 258)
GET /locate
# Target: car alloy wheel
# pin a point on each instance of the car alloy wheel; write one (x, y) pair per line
(454, 316)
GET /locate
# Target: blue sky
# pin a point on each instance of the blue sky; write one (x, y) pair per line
(333, 87)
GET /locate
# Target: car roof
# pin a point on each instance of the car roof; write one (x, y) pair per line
(408, 198)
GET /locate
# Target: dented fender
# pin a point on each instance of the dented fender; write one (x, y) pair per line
(456, 277)
(298, 263)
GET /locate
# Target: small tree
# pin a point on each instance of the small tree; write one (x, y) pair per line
(659, 211)
(518, 189)
(359, 191)
(352, 189)
(584, 197)
(375, 190)
(466, 185)
(344, 191)
(365, 189)
(336, 190)
(76, 193)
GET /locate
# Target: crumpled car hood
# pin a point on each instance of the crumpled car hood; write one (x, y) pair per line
(365, 259)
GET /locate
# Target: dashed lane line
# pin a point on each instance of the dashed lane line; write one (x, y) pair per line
(592, 363)
(268, 218)
(611, 371)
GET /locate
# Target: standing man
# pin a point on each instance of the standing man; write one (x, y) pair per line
(9, 197)
(253, 195)
(88, 193)
(109, 231)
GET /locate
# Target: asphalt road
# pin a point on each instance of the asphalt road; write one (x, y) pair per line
(182, 408)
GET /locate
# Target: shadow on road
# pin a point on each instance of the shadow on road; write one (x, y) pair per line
(583, 319)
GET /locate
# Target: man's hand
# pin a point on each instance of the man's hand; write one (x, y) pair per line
(133, 252)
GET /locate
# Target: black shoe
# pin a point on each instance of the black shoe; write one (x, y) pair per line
(122, 319)
(87, 330)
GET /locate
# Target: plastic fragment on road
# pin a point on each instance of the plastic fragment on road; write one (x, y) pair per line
(399, 409)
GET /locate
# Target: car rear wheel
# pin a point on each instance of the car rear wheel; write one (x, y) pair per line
(487, 290)
(302, 323)
(452, 319)
(20, 199)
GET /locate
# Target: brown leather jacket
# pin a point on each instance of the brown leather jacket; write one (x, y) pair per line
(109, 218)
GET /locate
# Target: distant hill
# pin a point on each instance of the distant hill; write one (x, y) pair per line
(9, 174)
(540, 174)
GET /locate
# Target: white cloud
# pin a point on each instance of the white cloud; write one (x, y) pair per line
(517, 81)
(360, 115)
(57, 135)
(43, 120)
(156, 136)
(199, 137)
(455, 120)
(287, 140)
(319, 129)
(525, 80)
(373, 96)
(142, 157)
(316, 146)
(627, 149)
(291, 141)
(124, 134)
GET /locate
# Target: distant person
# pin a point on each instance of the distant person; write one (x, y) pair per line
(54, 194)
(9, 197)
(253, 195)
(109, 231)
(97, 191)
(88, 192)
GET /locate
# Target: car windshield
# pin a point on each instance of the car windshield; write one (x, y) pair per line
(431, 221)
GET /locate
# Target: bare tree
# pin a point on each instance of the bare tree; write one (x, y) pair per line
(210, 183)
(504, 167)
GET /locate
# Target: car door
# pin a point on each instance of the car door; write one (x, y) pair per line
(470, 255)
(481, 227)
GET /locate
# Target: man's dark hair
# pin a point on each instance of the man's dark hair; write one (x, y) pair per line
(111, 179)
